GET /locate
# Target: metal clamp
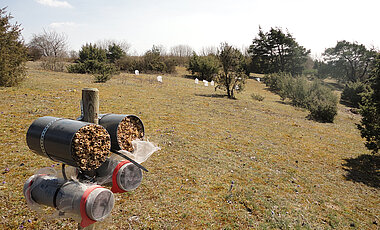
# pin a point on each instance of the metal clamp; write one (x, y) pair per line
(42, 138)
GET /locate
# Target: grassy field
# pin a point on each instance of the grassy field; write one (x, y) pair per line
(224, 164)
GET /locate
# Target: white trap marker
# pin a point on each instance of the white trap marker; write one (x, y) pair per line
(212, 83)
(159, 79)
(206, 82)
(137, 72)
(196, 81)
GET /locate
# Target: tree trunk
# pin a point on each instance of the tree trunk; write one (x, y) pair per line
(227, 84)
(364, 72)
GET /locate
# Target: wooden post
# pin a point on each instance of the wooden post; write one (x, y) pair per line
(90, 100)
(90, 103)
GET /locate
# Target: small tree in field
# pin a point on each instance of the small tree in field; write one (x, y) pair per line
(206, 67)
(114, 53)
(104, 73)
(232, 77)
(370, 111)
(13, 53)
(90, 60)
(93, 60)
(154, 60)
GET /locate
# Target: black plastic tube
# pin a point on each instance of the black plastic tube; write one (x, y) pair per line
(112, 121)
(52, 137)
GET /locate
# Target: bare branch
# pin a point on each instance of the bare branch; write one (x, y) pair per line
(49, 44)
(105, 43)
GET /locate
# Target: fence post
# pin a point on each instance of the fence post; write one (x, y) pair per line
(90, 103)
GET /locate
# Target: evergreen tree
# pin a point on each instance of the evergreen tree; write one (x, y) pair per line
(348, 62)
(93, 60)
(92, 52)
(206, 67)
(13, 52)
(370, 111)
(275, 51)
(232, 76)
(114, 53)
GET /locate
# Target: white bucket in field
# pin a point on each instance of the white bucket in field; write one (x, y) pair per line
(212, 83)
(137, 72)
(159, 79)
(196, 81)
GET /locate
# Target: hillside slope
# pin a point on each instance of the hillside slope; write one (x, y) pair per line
(223, 164)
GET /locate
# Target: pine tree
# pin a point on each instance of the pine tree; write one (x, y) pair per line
(232, 75)
(276, 51)
(370, 111)
(13, 52)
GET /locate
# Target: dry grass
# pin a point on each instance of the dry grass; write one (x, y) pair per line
(224, 164)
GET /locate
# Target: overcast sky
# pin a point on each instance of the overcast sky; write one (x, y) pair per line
(316, 24)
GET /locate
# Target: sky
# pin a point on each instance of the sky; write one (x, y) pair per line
(316, 25)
